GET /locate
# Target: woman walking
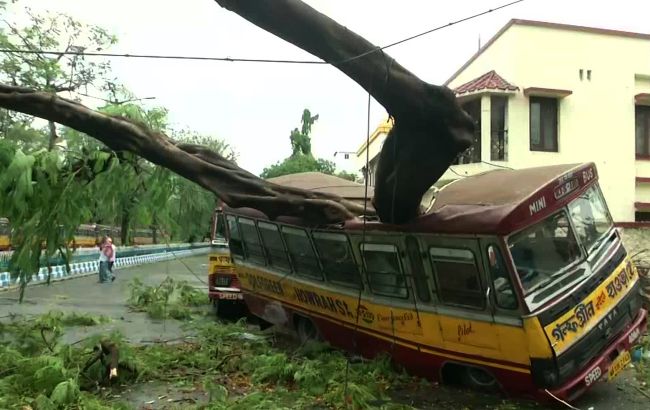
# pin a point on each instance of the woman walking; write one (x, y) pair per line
(111, 258)
(105, 252)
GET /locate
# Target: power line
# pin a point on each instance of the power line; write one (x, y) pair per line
(452, 23)
(253, 60)
(157, 56)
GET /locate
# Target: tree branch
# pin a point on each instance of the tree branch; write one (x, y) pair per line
(234, 185)
(430, 127)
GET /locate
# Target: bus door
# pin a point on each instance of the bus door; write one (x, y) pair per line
(504, 303)
(463, 295)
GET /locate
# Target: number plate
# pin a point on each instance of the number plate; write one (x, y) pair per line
(619, 364)
(230, 296)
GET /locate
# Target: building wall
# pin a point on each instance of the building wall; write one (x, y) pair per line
(596, 122)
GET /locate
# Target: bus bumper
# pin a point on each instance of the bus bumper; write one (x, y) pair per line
(599, 368)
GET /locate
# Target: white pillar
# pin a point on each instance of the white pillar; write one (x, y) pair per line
(486, 119)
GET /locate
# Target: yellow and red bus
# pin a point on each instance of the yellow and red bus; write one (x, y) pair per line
(514, 280)
(224, 288)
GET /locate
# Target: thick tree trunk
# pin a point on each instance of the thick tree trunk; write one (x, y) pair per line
(53, 137)
(125, 227)
(430, 127)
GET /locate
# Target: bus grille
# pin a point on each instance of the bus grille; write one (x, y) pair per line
(226, 280)
(599, 337)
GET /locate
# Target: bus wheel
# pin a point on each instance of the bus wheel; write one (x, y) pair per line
(479, 379)
(222, 309)
(306, 330)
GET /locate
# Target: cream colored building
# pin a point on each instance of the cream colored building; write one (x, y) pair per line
(545, 93)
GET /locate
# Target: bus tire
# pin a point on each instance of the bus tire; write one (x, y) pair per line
(306, 330)
(478, 378)
(223, 309)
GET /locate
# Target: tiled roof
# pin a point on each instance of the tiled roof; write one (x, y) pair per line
(488, 81)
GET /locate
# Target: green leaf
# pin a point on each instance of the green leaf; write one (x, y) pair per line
(65, 393)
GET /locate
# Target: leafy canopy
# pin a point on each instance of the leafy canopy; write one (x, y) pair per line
(301, 158)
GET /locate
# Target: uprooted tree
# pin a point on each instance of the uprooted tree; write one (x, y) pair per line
(430, 129)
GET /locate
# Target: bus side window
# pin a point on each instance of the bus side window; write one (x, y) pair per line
(235, 243)
(419, 275)
(337, 259)
(301, 253)
(504, 293)
(384, 270)
(457, 276)
(252, 245)
(273, 245)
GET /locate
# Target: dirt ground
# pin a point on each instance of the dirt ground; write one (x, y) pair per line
(88, 296)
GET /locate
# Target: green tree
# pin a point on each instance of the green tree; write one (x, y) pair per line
(128, 196)
(52, 73)
(301, 158)
(350, 176)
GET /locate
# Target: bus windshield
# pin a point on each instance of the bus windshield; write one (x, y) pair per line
(544, 251)
(590, 218)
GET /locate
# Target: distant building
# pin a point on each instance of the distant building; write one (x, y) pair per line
(545, 93)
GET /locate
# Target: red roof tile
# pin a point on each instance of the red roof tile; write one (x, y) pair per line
(488, 81)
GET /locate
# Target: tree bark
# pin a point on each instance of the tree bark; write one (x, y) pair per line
(53, 137)
(430, 128)
(234, 185)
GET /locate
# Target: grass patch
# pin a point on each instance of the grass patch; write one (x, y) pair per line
(170, 299)
(225, 365)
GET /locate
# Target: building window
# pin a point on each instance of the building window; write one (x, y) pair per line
(642, 216)
(457, 276)
(473, 153)
(642, 130)
(543, 124)
(384, 270)
(498, 131)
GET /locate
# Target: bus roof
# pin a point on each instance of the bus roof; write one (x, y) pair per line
(496, 202)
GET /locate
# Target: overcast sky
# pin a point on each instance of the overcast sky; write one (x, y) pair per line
(255, 106)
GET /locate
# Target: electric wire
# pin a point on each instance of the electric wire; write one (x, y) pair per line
(253, 60)
(363, 241)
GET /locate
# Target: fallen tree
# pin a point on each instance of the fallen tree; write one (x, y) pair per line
(430, 129)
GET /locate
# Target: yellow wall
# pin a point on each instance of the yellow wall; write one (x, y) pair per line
(596, 122)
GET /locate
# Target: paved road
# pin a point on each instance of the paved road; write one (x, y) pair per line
(87, 296)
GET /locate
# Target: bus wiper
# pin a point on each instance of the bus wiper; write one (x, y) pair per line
(600, 240)
(541, 285)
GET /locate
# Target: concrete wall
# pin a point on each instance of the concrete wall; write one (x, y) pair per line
(596, 122)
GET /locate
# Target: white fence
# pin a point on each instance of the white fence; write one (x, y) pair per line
(152, 254)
